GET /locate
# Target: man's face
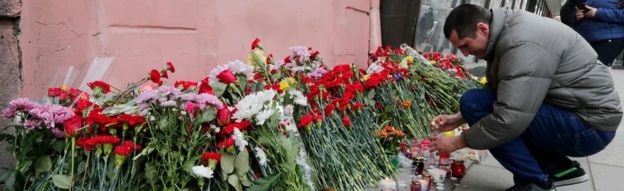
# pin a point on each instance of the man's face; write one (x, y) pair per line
(472, 45)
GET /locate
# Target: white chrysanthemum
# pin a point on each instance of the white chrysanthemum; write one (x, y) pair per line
(261, 156)
(252, 104)
(298, 97)
(374, 68)
(202, 171)
(263, 116)
(239, 139)
(239, 67)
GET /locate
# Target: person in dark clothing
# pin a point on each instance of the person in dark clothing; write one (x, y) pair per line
(547, 98)
(601, 23)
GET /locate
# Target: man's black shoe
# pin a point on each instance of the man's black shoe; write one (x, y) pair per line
(572, 175)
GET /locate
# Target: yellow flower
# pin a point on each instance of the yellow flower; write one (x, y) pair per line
(408, 59)
(286, 83)
(432, 62)
(366, 77)
(483, 80)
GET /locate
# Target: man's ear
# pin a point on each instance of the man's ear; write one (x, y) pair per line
(483, 28)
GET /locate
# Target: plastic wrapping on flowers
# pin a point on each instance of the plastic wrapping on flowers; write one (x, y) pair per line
(268, 124)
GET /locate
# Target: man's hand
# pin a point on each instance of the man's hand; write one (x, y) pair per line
(446, 144)
(443, 123)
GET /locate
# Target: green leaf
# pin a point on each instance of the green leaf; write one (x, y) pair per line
(227, 162)
(43, 164)
(245, 180)
(242, 163)
(188, 165)
(218, 88)
(233, 180)
(58, 146)
(371, 95)
(208, 115)
(264, 184)
(61, 181)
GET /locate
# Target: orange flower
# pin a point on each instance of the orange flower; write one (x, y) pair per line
(406, 104)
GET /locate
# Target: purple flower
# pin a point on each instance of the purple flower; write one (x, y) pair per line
(317, 74)
(170, 91)
(188, 96)
(51, 114)
(23, 104)
(170, 103)
(147, 96)
(32, 123)
(61, 113)
(205, 98)
(57, 133)
(301, 51)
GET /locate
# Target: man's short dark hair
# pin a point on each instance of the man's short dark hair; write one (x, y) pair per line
(464, 18)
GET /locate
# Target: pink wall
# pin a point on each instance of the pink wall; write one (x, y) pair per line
(60, 40)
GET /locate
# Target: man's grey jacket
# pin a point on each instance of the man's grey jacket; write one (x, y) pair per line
(531, 60)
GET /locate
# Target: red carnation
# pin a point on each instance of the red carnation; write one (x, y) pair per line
(211, 155)
(305, 121)
(131, 120)
(53, 92)
(155, 76)
(346, 121)
(83, 104)
(184, 85)
(226, 76)
(71, 125)
(99, 87)
(82, 142)
(164, 74)
(122, 150)
(132, 145)
(226, 144)
(314, 54)
(287, 59)
(211, 159)
(357, 106)
(255, 44)
(204, 87)
(170, 67)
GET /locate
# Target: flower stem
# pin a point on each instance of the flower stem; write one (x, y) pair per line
(73, 154)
